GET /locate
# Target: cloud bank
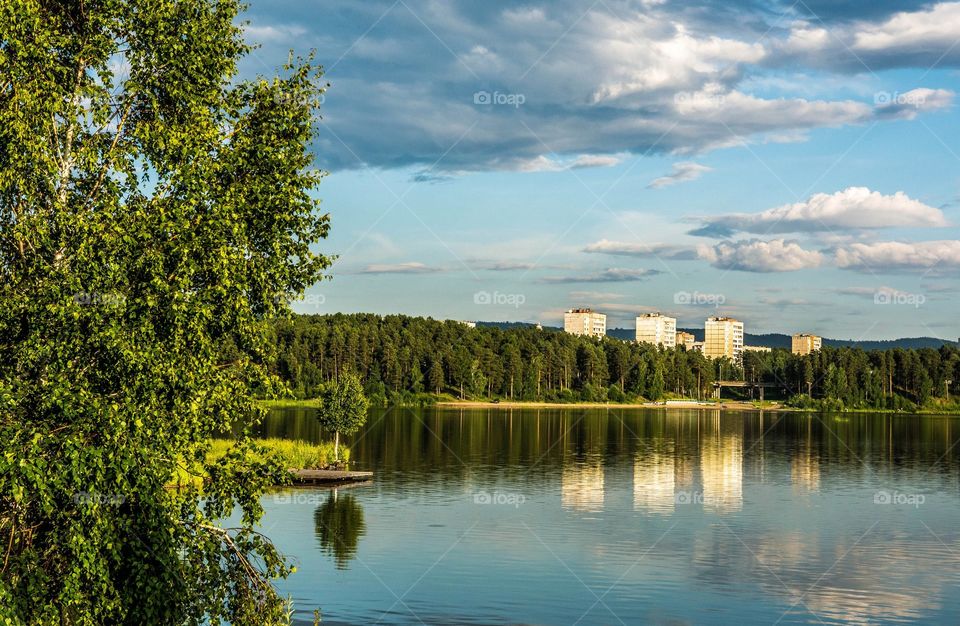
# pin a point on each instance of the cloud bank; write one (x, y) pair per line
(462, 87)
(854, 208)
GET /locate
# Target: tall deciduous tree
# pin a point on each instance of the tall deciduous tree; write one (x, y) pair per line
(153, 209)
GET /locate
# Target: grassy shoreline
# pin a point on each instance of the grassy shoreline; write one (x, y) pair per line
(693, 404)
(705, 405)
(729, 405)
(308, 403)
(295, 454)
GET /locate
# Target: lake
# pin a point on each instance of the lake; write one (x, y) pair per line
(628, 516)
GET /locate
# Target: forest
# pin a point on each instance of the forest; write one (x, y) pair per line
(406, 360)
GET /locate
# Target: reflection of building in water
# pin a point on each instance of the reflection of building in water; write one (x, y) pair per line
(805, 470)
(721, 467)
(654, 482)
(685, 469)
(581, 487)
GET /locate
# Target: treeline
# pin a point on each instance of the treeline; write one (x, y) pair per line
(398, 354)
(403, 359)
(837, 378)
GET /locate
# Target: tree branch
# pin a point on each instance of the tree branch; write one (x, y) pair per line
(66, 158)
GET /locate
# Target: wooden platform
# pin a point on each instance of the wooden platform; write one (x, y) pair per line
(329, 476)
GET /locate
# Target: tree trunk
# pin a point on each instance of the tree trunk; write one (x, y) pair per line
(336, 445)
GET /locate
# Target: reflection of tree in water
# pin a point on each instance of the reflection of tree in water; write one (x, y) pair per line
(339, 525)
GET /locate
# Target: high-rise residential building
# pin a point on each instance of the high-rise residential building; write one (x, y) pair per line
(723, 338)
(685, 339)
(805, 344)
(585, 322)
(657, 329)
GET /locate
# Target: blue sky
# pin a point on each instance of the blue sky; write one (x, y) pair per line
(791, 164)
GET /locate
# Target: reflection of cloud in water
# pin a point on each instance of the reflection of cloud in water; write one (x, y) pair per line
(883, 581)
(882, 578)
(581, 487)
(654, 482)
(721, 468)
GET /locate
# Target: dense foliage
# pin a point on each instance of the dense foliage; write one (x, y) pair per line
(401, 358)
(153, 210)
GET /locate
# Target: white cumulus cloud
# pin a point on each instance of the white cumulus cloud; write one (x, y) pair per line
(936, 27)
(922, 38)
(755, 255)
(911, 103)
(854, 208)
(900, 255)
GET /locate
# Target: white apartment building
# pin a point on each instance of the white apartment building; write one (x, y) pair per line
(805, 344)
(723, 338)
(657, 329)
(585, 322)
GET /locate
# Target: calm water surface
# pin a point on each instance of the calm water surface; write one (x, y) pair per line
(628, 517)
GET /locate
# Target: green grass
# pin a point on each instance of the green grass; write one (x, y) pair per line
(298, 454)
(311, 403)
(294, 454)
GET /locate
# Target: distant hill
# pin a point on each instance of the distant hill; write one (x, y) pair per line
(510, 325)
(906, 342)
(770, 340)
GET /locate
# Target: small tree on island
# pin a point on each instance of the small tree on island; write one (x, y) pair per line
(343, 408)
